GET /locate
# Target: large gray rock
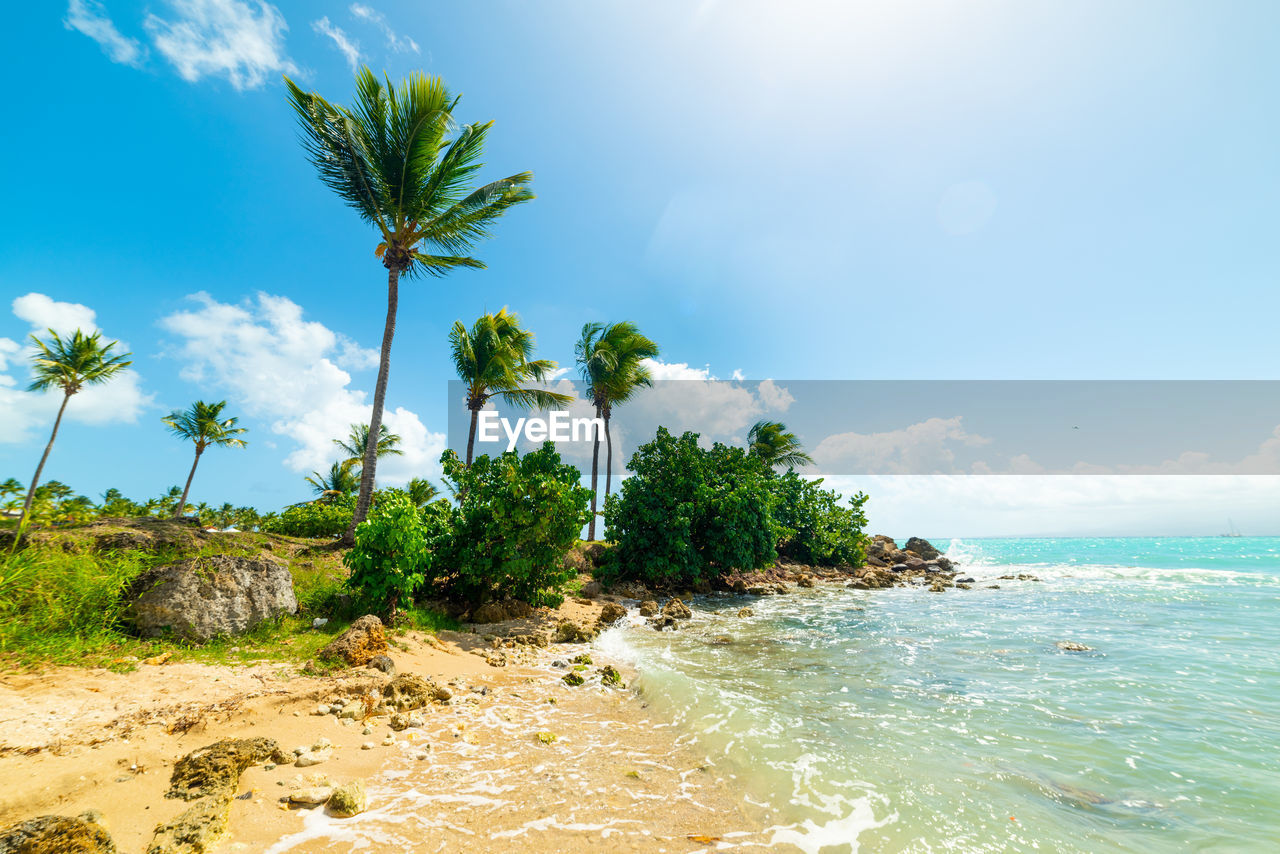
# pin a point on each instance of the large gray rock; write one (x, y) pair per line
(207, 597)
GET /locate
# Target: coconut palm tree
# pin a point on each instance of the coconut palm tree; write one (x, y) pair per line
(611, 360)
(493, 359)
(203, 424)
(398, 158)
(775, 446)
(421, 491)
(358, 439)
(70, 364)
(342, 479)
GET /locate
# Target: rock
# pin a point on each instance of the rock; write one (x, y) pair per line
(611, 613)
(944, 563)
(312, 796)
(401, 721)
(501, 612)
(212, 596)
(383, 663)
(313, 757)
(609, 675)
(196, 830)
(936, 588)
(858, 584)
(898, 567)
(56, 834)
(596, 553)
(677, 610)
(1072, 646)
(216, 768)
(662, 621)
(319, 622)
(409, 691)
(592, 589)
(368, 745)
(363, 640)
(348, 800)
(573, 679)
(648, 608)
(962, 586)
(921, 547)
(874, 560)
(993, 586)
(964, 581)
(322, 709)
(570, 632)
(914, 562)
(804, 581)
(746, 612)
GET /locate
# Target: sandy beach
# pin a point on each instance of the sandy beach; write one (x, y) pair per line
(516, 760)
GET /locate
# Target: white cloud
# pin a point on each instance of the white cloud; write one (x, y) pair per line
(90, 18)
(396, 41)
(120, 400)
(347, 47)
(240, 39)
(924, 447)
(294, 373)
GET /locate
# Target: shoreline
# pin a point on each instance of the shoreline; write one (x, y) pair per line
(516, 756)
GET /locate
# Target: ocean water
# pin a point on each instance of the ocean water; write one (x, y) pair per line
(903, 720)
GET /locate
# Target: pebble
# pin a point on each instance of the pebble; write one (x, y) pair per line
(322, 709)
(368, 730)
(312, 796)
(322, 744)
(310, 758)
(368, 745)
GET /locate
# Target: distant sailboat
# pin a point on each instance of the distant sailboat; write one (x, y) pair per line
(1233, 532)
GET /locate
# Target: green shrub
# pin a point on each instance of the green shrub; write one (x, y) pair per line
(392, 554)
(317, 519)
(813, 526)
(687, 514)
(517, 517)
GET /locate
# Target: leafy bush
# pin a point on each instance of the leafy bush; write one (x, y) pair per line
(687, 514)
(316, 519)
(392, 554)
(516, 518)
(813, 526)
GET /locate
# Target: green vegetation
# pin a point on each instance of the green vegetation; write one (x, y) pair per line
(688, 514)
(323, 519)
(398, 157)
(202, 423)
(494, 359)
(392, 554)
(611, 360)
(70, 364)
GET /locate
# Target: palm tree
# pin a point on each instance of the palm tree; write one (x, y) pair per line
(357, 440)
(397, 157)
(203, 424)
(70, 364)
(342, 479)
(611, 359)
(493, 359)
(421, 491)
(770, 441)
(9, 491)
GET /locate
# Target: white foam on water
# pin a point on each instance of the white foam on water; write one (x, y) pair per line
(812, 837)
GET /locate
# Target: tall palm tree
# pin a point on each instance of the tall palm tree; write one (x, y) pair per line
(203, 424)
(342, 479)
(398, 158)
(493, 359)
(611, 360)
(357, 440)
(772, 443)
(70, 364)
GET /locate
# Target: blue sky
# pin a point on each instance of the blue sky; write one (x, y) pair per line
(807, 190)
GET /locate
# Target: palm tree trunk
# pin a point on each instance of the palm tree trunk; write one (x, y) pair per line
(471, 436)
(35, 479)
(608, 457)
(182, 502)
(370, 465)
(595, 479)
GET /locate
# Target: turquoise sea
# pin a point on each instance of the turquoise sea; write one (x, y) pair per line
(903, 720)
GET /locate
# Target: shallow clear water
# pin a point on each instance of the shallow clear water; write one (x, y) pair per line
(903, 720)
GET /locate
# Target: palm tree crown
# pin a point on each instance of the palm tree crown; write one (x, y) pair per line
(494, 359)
(398, 158)
(772, 443)
(75, 362)
(342, 479)
(358, 439)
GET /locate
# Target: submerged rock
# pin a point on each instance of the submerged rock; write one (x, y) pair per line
(362, 642)
(212, 596)
(676, 610)
(1072, 646)
(56, 834)
(746, 612)
(609, 675)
